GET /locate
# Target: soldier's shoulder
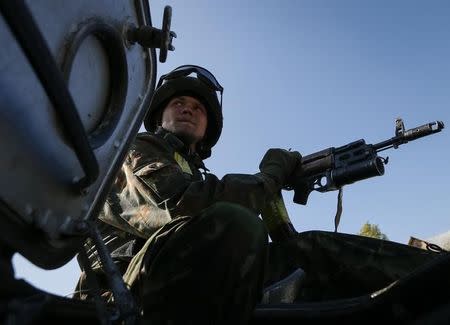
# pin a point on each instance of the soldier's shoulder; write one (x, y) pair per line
(147, 142)
(147, 148)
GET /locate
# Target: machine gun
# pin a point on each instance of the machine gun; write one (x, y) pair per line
(332, 168)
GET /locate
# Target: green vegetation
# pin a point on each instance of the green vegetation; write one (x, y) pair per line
(371, 230)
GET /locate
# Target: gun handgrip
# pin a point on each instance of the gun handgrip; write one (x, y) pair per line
(301, 191)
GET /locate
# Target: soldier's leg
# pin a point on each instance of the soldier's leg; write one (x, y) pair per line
(341, 265)
(211, 271)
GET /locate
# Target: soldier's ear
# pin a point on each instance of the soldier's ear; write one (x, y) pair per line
(159, 113)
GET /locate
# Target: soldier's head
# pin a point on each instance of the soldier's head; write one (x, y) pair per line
(186, 103)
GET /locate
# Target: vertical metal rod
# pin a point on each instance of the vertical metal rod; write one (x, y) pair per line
(100, 305)
(122, 296)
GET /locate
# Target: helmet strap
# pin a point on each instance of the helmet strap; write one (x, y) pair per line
(203, 150)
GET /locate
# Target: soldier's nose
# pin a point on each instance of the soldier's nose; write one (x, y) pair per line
(186, 109)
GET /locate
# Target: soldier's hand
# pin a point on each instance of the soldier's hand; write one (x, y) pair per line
(280, 165)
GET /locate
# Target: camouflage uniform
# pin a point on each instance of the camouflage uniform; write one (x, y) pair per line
(191, 245)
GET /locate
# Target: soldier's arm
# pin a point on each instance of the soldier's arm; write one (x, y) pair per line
(163, 182)
(250, 191)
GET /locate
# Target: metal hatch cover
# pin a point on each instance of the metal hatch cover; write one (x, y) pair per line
(57, 163)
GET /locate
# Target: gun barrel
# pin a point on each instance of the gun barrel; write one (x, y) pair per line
(410, 135)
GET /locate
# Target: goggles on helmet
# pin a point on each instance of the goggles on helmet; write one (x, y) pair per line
(202, 74)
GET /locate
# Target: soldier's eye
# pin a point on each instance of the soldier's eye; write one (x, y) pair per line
(199, 108)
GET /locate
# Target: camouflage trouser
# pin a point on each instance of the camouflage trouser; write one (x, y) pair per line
(342, 265)
(208, 269)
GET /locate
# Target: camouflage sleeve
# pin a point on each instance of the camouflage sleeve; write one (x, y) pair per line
(171, 189)
(250, 191)
(136, 203)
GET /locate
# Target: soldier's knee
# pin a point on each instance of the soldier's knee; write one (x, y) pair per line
(239, 220)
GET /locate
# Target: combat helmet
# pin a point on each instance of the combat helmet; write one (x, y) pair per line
(190, 80)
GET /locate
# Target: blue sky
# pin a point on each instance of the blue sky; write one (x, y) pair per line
(308, 75)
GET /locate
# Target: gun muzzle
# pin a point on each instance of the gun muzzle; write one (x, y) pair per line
(423, 130)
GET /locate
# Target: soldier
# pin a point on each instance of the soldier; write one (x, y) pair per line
(192, 247)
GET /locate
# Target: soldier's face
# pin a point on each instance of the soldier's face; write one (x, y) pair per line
(186, 117)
